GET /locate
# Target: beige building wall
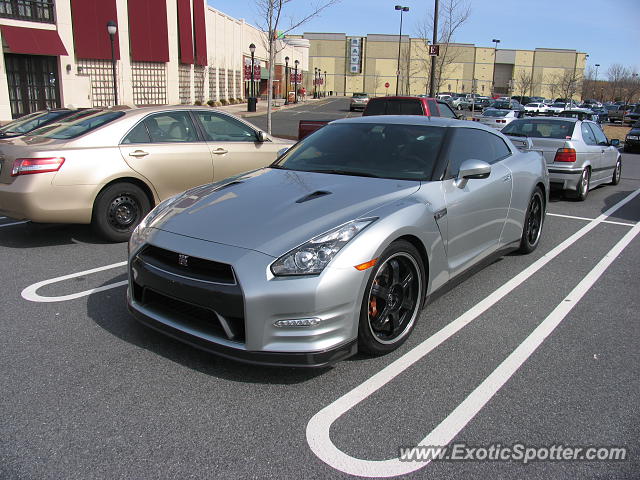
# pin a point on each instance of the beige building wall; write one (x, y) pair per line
(470, 68)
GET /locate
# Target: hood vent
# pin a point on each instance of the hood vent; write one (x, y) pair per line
(313, 196)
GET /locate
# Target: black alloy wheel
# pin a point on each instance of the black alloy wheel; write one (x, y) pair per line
(392, 299)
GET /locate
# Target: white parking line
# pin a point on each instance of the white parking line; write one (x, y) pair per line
(14, 223)
(612, 222)
(30, 294)
(318, 428)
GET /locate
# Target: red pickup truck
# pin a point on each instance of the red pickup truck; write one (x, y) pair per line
(430, 107)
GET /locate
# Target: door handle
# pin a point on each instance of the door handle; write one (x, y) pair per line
(220, 151)
(138, 154)
(506, 178)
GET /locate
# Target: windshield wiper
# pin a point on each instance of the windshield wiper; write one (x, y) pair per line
(346, 172)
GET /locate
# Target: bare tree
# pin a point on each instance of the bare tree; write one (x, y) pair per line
(569, 82)
(589, 83)
(630, 88)
(452, 16)
(616, 74)
(271, 16)
(523, 81)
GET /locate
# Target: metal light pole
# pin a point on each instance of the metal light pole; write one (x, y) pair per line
(112, 28)
(251, 104)
(325, 84)
(286, 80)
(295, 82)
(434, 41)
(315, 82)
(495, 54)
(402, 10)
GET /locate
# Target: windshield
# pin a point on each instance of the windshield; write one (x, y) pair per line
(30, 122)
(82, 125)
(490, 112)
(558, 104)
(540, 128)
(405, 152)
(360, 95)
(612, 107)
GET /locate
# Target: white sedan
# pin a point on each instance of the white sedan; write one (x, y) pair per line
(497, 117)
(534, 108)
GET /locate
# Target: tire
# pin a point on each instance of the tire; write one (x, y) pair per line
(617, 172)
(396, 287)
(533, 223)
(582, 189)
(118, 209)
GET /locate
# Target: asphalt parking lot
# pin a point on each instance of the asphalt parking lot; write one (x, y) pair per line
(539, 350)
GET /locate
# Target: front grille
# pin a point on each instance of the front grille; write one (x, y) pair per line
(195, 268)
(193, 316)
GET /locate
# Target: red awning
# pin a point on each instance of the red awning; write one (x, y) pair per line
(33, 41)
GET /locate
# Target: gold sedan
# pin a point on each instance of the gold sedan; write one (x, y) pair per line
(110, 168)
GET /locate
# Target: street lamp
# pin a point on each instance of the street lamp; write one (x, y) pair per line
(402, 10)
(496, 41)
(251, 104)
(596, 77)
(286, 80)
(495, 54)
(112, 28)
(295, 82)
(325, 84)
(315, 82)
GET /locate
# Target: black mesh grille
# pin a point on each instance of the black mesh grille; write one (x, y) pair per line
(196, 268)
(190, 315)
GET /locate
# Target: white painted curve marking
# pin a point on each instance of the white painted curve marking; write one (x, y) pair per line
(30, 294)
(14, 223)
(318, 428)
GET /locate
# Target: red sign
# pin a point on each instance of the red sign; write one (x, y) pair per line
(293, 78)
(386, 84)
(434, 50)
(257, 70)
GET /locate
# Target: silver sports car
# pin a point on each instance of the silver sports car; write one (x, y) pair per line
(338, 245)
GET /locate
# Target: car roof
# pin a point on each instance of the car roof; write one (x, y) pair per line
(414, 120)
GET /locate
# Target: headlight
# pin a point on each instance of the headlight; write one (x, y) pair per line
(311, 257)
(141, 232)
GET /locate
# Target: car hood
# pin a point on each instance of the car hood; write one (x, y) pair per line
(272, 210)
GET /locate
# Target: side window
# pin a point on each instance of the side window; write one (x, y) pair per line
(470, 143)
(445, 110)
(220, 128)
(138, 134)
(601, 138)
(587, 135)
(433, 109)
(171, 127)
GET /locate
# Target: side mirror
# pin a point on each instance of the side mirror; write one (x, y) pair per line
(472, 169)
(260, 135)
(614, 142)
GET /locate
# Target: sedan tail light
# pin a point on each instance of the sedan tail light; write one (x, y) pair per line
(565, 155)
(27, 166)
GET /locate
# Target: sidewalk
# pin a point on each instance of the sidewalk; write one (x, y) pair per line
(277, 104)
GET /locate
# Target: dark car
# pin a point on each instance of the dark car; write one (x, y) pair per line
(632, 140)
(615, 113)
(430, 107)
(504, 104)
(30, 122)
(634, 116)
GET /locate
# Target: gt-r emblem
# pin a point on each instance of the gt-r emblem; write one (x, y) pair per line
(183, 260)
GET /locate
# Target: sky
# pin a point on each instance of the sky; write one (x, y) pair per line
(607, 30)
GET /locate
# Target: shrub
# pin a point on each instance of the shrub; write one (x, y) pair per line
(198, 103)
(232, 101)
(224, 101)
(217, 103)
(211, 103)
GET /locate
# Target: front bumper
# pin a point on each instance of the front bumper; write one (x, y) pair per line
(234, 316)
